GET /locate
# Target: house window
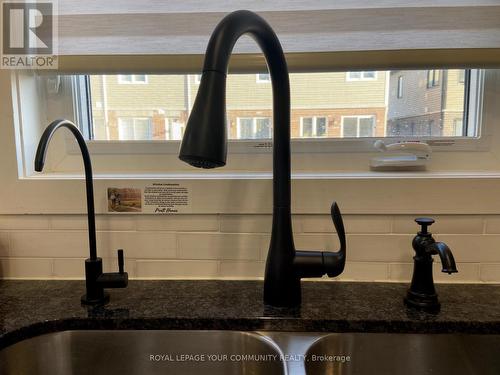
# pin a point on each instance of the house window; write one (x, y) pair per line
(263, 78)
(132, 79)
(253, 128)
(369, 75)
(174, 129)
(358, 126)
(134, 129)
(197, 78)
(400, 87)
(433, 78)
(311, 127)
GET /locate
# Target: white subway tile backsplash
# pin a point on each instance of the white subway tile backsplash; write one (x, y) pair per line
(379, 247)
(24, 222)
(445, 224)
(473, 248)
(177, 269)
(253, 223)
(137, 244)
(244, 269)
(103, 222)
(180, 223)
(400, 271)
(467, 272)
(492, 224)
(235, 245)
(25, 268)
(49, 244)
(246, 223)
(4, 244)
(74, 268)
(352, 224)
(365, 271)
(220, 246)
(490, 272)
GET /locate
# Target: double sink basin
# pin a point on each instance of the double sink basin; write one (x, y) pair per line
(207, 352)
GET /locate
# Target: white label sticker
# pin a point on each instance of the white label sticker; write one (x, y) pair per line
(166, 198)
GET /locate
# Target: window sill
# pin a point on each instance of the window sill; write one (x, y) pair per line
(367, 175)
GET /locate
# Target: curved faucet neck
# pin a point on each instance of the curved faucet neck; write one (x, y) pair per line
(41, 153)
(217, 56)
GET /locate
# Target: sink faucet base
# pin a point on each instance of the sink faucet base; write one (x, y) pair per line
(426, 302)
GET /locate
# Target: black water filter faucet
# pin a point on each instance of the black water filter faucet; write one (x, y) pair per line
(95, 280)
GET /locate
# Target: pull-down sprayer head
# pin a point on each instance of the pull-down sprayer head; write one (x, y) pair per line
(204, 144)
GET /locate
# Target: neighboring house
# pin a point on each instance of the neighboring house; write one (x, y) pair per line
(426, 103)
(156, 107)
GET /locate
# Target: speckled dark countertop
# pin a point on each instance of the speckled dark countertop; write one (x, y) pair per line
(30, 308)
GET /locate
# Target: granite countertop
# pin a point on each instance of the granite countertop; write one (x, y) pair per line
(30, 308)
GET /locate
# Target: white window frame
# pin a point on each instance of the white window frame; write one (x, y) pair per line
(314, 126)
(358, 117)
(254, 125)
(362, 76)
(133, 80)
(258, 79)
(156, 151)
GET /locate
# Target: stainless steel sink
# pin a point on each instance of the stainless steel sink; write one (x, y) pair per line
(408, 354)
(234, 352)
(143, 353)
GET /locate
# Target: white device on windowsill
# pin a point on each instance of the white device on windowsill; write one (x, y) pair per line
(401, 155)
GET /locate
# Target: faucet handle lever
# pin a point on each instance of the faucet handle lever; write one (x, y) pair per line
(339, 225)
(120, 261)
(334, 262)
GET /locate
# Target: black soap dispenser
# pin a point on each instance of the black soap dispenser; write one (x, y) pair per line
(422, 294)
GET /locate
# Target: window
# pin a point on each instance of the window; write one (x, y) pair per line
(253, 128)
(400, 87)
(133, 78)
(319, 101)
(263, 78)
(134, 129)
(358, 126)
(432, 78)
(174, 129)
(361, 76)
(311, 127)
(197, 78)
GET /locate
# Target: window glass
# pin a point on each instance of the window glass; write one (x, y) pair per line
(307, 127)
(350, 125)
(125, 129)
(262, 128)
(245, 128)
(366, 125)
(320, 126)
(329, 104)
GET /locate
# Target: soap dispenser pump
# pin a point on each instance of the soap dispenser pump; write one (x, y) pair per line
(422, 294)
